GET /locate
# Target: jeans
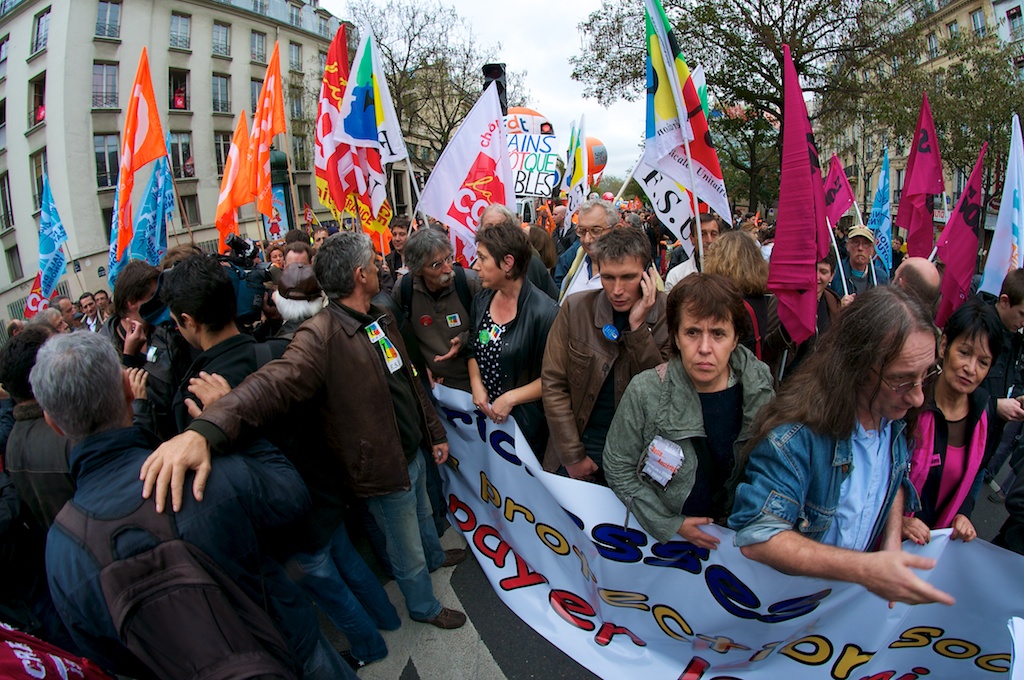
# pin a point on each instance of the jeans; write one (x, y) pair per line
(323, 663)
(412, 543)
(344, 588)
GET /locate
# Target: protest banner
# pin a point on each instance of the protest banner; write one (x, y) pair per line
(571, 562)
(534, 160)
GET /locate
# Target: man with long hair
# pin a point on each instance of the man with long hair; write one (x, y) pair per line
(827, 482)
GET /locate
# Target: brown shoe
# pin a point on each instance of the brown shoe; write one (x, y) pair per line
(453, 557)
(448, 619)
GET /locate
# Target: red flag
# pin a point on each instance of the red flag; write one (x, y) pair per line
(142, 142)
(35, 302)
(838, 192)
(958, 245)
(801, 237)
(923, 180)
(331, 191)
(267, 121)
(234, 187)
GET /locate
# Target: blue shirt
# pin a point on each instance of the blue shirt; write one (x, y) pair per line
(862, 494)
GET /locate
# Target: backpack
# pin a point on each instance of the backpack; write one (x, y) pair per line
(461, 289)
(249, 290)
(173, 606)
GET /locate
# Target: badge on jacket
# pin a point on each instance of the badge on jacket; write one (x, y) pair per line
(663, 459)
(453, 320)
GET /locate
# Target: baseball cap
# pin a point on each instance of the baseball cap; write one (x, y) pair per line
(861, 231)
(298, 282)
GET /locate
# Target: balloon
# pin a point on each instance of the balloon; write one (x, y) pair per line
(597, 155)
(608, 196)
(523, 121)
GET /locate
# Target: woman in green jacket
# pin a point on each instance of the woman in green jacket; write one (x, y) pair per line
(673, 449)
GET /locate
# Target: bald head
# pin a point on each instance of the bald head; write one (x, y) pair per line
(920, 278)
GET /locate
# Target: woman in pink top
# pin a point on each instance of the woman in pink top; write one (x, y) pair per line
(949, 459)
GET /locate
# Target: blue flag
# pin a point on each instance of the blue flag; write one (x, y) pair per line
(52, 263)
(880, 222)
(149, 242)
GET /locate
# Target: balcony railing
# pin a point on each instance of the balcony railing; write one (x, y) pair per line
(104, 100)
(39, 42)
(1016, 32)
(108, 30)
(181, 41)
(222, 105)
(222, 49)
(260, 56)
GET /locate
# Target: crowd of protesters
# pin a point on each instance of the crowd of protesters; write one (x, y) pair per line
(261, 435)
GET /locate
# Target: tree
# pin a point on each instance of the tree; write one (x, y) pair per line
(749, 155)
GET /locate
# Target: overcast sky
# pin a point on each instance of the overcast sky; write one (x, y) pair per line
(539, 36)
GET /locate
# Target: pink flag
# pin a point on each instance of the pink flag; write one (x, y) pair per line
(923, 181)
(838, 192)
(801, 237)
(958, 245)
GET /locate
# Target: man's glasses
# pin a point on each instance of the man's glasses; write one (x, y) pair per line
(596, 232)
(440, 263)
(905, 387)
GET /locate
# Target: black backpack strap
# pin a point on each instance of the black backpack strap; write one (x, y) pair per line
(462, 288)
(99, 536)
(405, 288)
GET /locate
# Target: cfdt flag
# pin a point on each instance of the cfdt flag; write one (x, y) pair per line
(576, 184)
(150, 240)
(880, 222)
(473, 172)
(675, 115)
(923, 181)
(838, 192)
(958, 245)
(52, 263)
(801, 236)
(141, 142)
(235, 185)
(1004, 255)
(267, 122)
(331, 191)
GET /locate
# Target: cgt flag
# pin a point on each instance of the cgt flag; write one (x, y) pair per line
(235, 186)
(267, 121)
(801, 236)
(473, 172)
(142, 142)
(1004, 255)
(923, 181)
(330, 189)
(838, 192)
(958, 245)
(880, 222)
(675, 115)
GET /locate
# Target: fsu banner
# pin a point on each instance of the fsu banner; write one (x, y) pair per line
(571, 562)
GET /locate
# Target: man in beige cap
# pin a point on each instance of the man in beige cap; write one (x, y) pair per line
(860, 271)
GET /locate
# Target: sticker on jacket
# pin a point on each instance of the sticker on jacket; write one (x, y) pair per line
(453, 320)
(663, 459)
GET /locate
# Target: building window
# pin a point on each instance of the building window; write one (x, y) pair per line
(190, 209)
(40, 30)
(108, 152)
(1013, 17)
(37, 162)
(258, 47)
(295, 57)
(221, 148)
(37, 99)
(6, 209)
(300, 152)
(177, 85)
(108, 19)
(295, 16)
(295, 102)
(325, 27)
(933, 46)
(3, 123)
(181, 31)
(182, 164)
(259, 6)
(221, 39)
(953, 28)
(322, 61)
(221, 94)
(305, 195)
(255, 86)
(978, 22)
(14, 263)
(5, 44)
(104, 86)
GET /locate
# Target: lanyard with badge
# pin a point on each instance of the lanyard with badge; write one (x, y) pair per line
(377, 337)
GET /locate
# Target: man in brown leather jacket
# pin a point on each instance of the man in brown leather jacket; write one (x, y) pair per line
(599, 341)
(348, 364)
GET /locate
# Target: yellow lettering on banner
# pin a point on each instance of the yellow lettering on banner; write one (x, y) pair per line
(560, 546)
(452, 462)
(511, 507)
(624, 598)
(820, 652)
(851, 657)
(921, 636)
(488, 493)
(584, 565)
(765, 651)
(663, 614)
(985, 663)
(967, 649)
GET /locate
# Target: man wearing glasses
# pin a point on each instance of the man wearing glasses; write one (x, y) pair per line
(826, 484)
(595, 217)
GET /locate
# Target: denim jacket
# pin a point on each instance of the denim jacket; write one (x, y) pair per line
(793, 480)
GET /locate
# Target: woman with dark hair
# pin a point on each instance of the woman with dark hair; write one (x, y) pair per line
(949, 457)
(509, 331)
(673, 449)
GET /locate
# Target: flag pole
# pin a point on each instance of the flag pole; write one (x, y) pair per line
(416, 190)
(681, 111)
(839, 261)
(78, 275)
(629, 177)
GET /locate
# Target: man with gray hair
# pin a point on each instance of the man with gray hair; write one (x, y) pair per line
(595, 217)
(536, 271)
(436, 296)
(349, 366)
(86, 396)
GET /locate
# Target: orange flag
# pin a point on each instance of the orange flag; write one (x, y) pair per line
(141, 142)
(267, 121)
(234, 188)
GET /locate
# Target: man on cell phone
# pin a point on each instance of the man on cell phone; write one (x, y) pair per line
(599, 341)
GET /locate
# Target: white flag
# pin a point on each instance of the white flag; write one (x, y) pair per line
(1005, 254)
(670, 200)
(472, 173)
(576, 173)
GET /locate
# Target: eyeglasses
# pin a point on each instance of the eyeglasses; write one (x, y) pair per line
(440, 263)
(906, 387)
(596, 232)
